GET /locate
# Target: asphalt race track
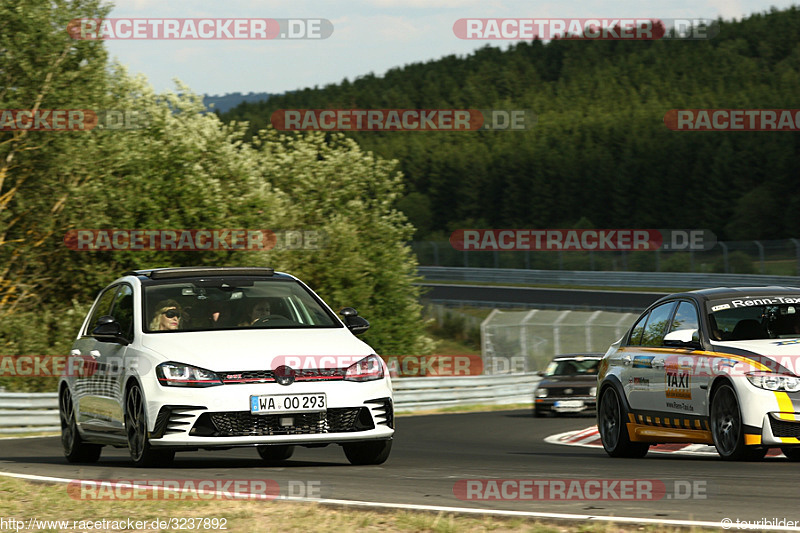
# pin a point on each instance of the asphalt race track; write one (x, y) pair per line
(431, 453)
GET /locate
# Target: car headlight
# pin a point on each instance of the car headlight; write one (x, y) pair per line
(541, 393)
(368, 369)
(774, 382)
(593, 391)
(178, 375)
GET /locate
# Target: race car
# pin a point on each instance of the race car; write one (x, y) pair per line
(178, 359)
(714, 366)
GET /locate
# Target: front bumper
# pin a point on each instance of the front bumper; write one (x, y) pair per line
(567, 404)
(220, 416)
(780, 429)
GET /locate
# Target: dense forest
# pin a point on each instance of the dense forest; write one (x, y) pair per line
(182, 169)
(227, 101)
(600, 154)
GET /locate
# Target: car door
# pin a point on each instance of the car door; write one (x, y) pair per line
(630, 371)
(645, 363)
(85, 355)
(682, 388)
(111, 364)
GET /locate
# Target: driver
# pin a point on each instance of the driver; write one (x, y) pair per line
(167, 316)
(259, 311)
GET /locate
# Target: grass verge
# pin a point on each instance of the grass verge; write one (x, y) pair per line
(23, 500)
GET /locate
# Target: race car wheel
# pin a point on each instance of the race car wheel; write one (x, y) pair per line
(368, 453)
(75, 449)
(612, 427)
(142, 453)
(276, 453)
(727, 429)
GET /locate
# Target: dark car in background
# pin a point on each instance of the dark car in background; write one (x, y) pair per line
(569, 385)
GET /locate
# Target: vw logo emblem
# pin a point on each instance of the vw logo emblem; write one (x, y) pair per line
(568, 391)
(284, 375)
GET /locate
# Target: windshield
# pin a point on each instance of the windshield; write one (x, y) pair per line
(232, 304)
(572, 367)
(754, 318)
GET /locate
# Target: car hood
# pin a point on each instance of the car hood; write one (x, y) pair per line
(771, 348)
(222, 350)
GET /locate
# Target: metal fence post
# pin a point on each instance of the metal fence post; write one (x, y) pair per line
(724, 255)
(760, 256)
(797, 247)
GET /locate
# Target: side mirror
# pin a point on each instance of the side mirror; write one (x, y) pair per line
(356, 324)
(109, 330)
(682, 338)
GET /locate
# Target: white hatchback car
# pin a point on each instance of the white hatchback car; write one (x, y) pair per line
(194, 358)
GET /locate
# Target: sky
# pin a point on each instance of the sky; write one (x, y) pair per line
(369, 36)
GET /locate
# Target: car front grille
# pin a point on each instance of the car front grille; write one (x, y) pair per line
(268, 376)
(561, 391)
(784, 428)
(243, 423)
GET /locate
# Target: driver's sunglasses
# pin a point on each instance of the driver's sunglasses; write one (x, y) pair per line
(172, 313)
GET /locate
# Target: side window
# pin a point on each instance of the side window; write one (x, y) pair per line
(102, 308)
(686, 318)
(636, 332)
(657, 324)
(123, 310)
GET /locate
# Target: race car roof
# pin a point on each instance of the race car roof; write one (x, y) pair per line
(722, 293)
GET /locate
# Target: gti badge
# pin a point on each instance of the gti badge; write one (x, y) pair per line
(284, 375)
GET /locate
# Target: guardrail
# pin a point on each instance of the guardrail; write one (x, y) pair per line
(422, 393)
(589, 278)
(22, 412)
(27, 411)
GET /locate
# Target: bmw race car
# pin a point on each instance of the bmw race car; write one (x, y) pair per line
(714, 366)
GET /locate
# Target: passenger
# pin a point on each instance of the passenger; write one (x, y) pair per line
(167, 316)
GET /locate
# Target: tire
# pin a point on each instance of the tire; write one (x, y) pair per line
(142, 453)
(611, 415)
(537, 413)
(726, 427)
(275, 454)
(791, 453)
(368, 453)
(76, 450)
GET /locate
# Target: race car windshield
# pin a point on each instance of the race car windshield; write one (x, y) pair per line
(239, 304)
(572, 367)
(756, 318)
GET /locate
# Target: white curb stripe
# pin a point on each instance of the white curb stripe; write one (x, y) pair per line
(460, 510)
